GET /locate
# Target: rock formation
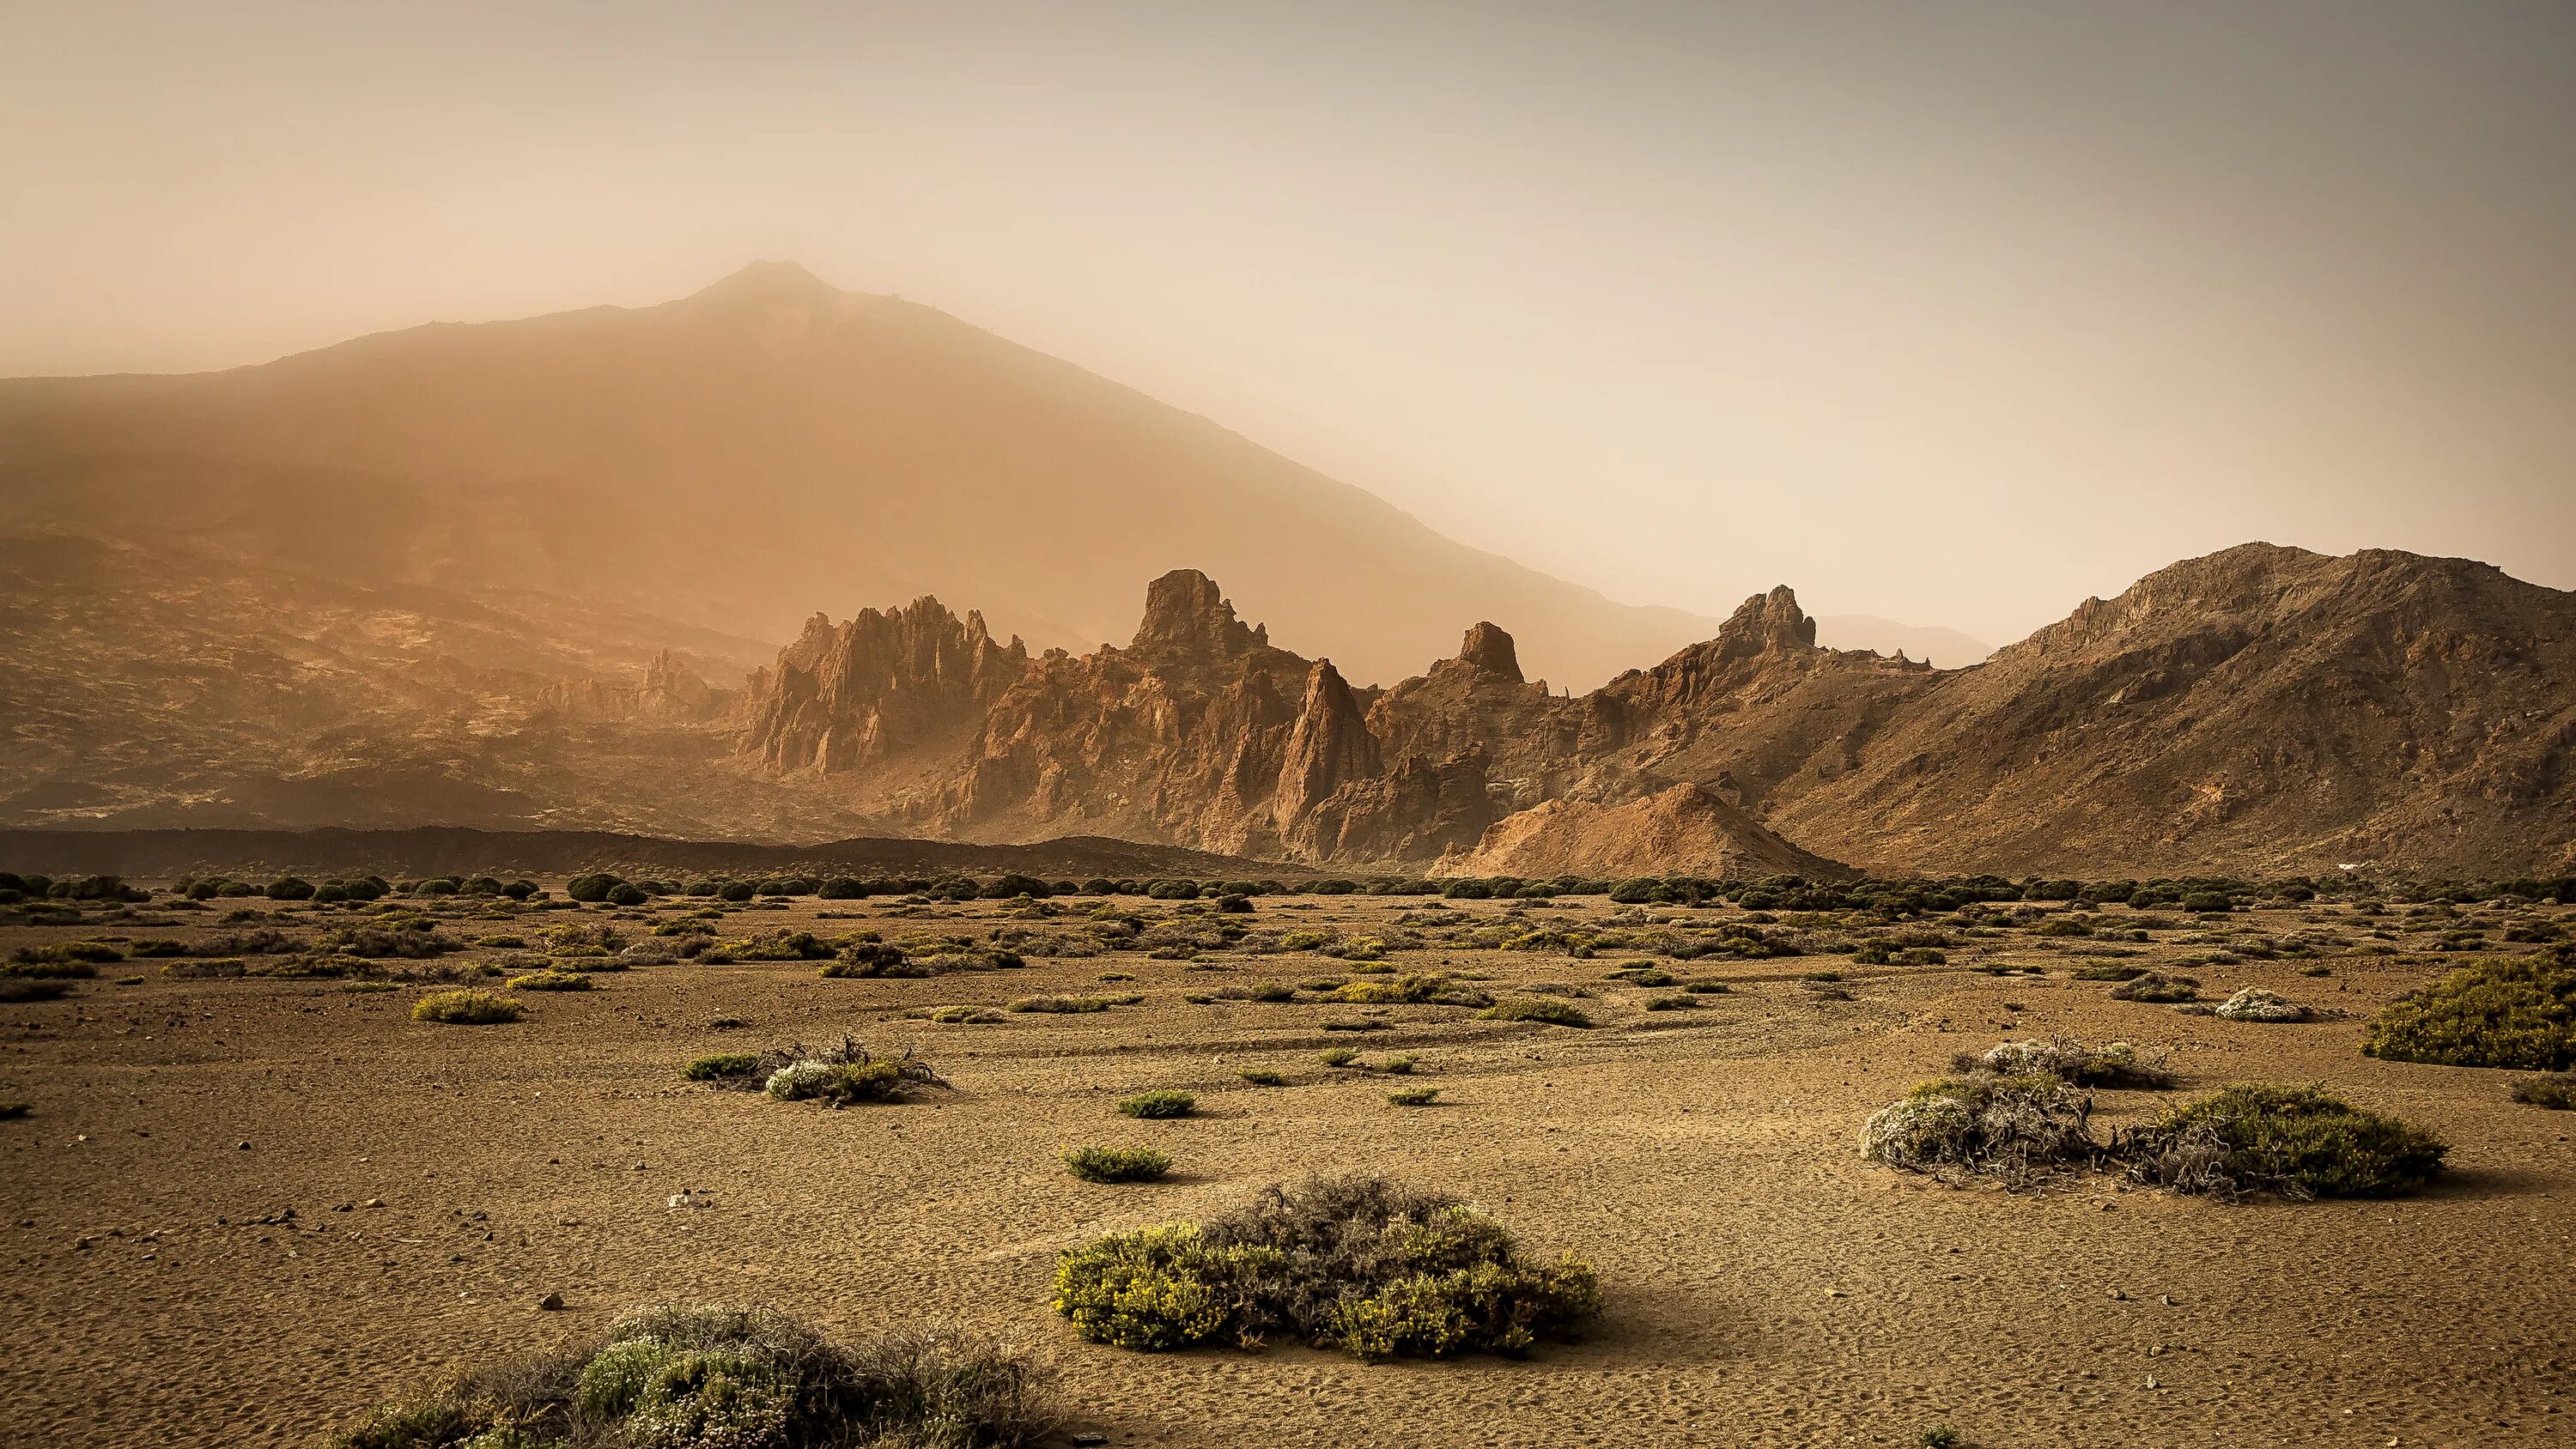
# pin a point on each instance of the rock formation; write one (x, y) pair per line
(2260, 709)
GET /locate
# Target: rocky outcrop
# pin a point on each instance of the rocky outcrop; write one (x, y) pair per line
(846, 697)
(1682, 831)
(668, 692)
(2260, 709)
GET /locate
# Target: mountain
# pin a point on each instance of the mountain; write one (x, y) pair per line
(1945, 648)
(730, 461)
(2262, 709)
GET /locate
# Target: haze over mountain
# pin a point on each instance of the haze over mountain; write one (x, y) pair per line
(736, 459)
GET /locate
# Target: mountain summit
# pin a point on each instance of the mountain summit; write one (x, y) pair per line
(740, 457)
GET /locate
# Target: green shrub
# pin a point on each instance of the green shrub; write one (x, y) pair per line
(1358, 1264)
(1676, 1002)
(725, 1066)
(1059, 1005)
(2516, 1012)
(2017, 1129)
(1262, 1077)
(2297, 1141)
(965, 1015)
(1554, 1013)
(466, 1008)
(1159, 1104)
(1338, 1056)
(1116, 1164)
(2158, 986)
(2551, 1089)
(550, 981)
(1414, 1096)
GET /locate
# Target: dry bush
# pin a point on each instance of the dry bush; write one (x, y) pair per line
(2296, 1141)
(843, 1076)
(2117, 1065)
(2256, 1004)
(2158, 986)
(2019, 1130)
(720, 1378)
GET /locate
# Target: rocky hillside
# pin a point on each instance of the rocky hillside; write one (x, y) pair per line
(2260, 709)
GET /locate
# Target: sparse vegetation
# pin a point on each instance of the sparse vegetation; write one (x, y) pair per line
(1262, 1077)
(1060, 1005)
(2256, 1004)
(2515, 1012)
(2016, 1129)
(2158, 986)
(466, 1008)
(2550, 1089)
(721, 1378)
(1358, 1263)
(2297, 1141)
(846, 1075)
(727, 1066)
(1116, 1164)
(1159, 1104)
(1338, 1056)
(1540, 1008)
(550, 981)
(2116, 1065)
(1414, 1096)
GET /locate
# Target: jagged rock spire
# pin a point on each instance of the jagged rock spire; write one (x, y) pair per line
(1490, 650)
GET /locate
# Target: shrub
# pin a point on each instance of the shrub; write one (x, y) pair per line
(1159, 1104)
(2108, 973)
(2552, 1089)
(2017, 1129)
(1358, 1263)
(2256, 1004)
(1554, 1013)
(847, 1075)
(1116, 1164)
(1338, 1056)
(1411, 990)
(727, 1066)
(1414, 1096)
(594, 886)
(2516, 1012)
(717, 1378)
(2116, 1065)
(2158, 986)
(465, 1008)
(16, 990)
(965, 1015)
(35, 960)
(1672, 1003)
(550, 981)
(866, 958)
(2297, 1141)
(1262, 1077)
(12, 1111)
(1066, 1005)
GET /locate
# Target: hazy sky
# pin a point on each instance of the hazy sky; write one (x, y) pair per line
(1948, 312)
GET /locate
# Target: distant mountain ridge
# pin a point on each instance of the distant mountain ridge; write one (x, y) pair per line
(731, 460)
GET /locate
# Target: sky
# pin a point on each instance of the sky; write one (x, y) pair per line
(1950, 313)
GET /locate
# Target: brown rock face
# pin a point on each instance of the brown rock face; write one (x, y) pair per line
(1682, 831)
(2263, 709)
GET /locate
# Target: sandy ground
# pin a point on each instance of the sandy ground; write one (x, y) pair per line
(1765, 1287)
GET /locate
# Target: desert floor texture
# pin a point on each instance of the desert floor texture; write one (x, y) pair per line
(243, 1211)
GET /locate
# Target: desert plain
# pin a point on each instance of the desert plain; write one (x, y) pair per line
(244, 1210)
